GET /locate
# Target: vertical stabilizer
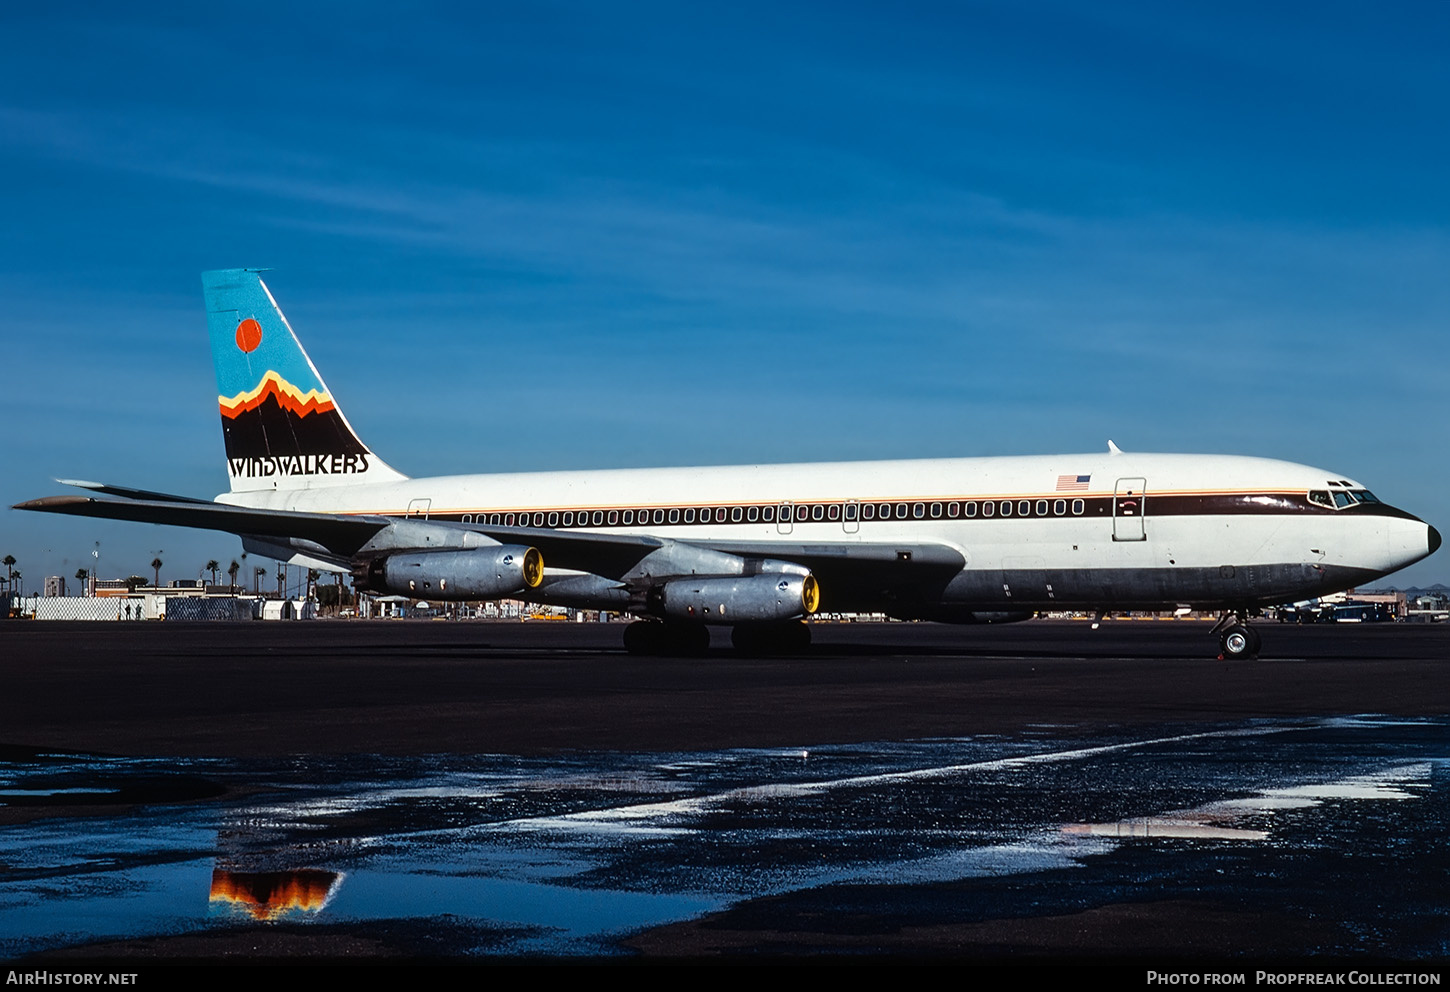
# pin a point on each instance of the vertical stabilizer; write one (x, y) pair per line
(281, 426)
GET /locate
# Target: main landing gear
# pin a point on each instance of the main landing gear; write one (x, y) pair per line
(790, 637)
(1236, 639)
(655, 637)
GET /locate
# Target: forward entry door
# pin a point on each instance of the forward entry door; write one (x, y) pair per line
(1129, 506)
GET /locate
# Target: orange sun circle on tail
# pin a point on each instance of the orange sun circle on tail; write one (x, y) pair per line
(249, 335)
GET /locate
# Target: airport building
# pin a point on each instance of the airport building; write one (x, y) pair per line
(182, 599)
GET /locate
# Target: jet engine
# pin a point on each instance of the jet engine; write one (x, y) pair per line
(762, 598)
(479, 573)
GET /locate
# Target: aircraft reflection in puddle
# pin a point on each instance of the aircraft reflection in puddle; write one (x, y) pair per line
(271, 895)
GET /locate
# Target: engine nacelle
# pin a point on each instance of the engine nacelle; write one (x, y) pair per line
(738, 598)
(479, 573)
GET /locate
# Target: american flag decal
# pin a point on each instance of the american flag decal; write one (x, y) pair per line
(1072, 483)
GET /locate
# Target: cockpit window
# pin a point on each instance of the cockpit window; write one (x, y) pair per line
(1340, 499)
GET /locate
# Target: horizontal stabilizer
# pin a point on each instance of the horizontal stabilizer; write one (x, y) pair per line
(128, 493)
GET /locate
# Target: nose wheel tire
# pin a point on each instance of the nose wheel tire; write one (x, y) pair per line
(1239, 641)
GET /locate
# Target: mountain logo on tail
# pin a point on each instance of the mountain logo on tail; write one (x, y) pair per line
(277, 418)
(279, 392)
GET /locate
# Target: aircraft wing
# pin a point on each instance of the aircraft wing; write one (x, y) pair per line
(613, 555)
(916, 557)
(609, 555)
(338, 533)
(850, 570)
(344, 535)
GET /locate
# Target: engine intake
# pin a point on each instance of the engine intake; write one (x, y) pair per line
(480, 573)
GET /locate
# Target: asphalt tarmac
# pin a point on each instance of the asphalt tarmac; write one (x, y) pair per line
(422, 687)
(474, 791)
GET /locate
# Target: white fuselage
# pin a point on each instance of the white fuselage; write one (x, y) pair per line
(1098, 531)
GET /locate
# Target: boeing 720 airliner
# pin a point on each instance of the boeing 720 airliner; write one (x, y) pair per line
(758, 548)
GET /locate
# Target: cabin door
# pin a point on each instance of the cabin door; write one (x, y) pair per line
(419, 507)
(1129, 504)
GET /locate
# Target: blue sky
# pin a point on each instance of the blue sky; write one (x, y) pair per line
(558, 236)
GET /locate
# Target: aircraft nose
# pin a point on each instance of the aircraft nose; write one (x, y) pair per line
(1434, 540)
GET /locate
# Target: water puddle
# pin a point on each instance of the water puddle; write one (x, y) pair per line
(566, 856)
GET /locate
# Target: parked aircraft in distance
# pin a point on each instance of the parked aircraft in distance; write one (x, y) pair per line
(760, 547)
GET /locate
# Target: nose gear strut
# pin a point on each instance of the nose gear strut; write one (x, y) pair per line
(1236, 639)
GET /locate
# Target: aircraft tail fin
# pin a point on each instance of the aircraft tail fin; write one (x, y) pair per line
(282, 428)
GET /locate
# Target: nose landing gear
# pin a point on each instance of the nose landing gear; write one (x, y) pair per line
(1236, 639)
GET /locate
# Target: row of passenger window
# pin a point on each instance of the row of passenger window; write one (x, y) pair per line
(783, 513)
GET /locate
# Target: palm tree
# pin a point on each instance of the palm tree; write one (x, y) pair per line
(257, 580)
(81, 576)
(232, 571)
(281, 581)
(213, 567)
(156, 567)
(9, 562)
(15, 578)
